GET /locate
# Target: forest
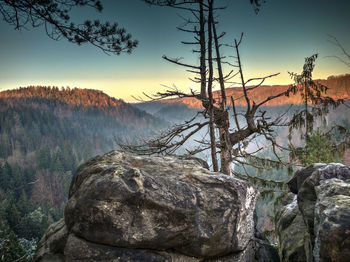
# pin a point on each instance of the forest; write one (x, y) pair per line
(45, 134)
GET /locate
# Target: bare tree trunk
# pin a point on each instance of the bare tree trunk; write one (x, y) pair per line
(223, 121)
(210, 92)
(225, 153)
(202, 50)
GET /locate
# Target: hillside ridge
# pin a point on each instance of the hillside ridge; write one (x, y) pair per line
(72, 96)
(339, 88)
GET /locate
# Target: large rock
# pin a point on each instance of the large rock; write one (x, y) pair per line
(124, 207)
(316, 227)
(301, 175)
(332, 221)
(307, 192)
(291, 231)
(160, 203)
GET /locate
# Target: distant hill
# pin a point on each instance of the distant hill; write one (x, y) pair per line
(339, 88)
(45, 133)
(65, 101)
(172, 112)
(70, 96)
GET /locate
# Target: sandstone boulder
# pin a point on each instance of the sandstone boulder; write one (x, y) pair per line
(307, 192)
(124, 207)
(160, 203)
(315, 225)
(332, 221)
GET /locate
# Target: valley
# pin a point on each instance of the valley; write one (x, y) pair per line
(47, 132)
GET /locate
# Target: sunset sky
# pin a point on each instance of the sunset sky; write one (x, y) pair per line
(277, 39)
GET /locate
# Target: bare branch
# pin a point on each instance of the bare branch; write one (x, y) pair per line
(335, 42)
(176, 61)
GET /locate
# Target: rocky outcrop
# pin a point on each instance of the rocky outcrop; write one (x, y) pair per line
(291, 231)
(314, 224)
(332, 221)
(124, 207)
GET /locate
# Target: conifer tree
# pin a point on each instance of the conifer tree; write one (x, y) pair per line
(316, 106)
(55, 17)
(10, 246)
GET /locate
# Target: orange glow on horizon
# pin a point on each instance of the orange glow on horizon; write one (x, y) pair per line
(129, 89)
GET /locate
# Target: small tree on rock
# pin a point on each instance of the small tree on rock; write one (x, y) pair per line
(316, 106)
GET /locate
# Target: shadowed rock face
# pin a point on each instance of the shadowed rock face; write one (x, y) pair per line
(307, 196)
(321, 214)
(300, 176)
(291, 230)
(124, 207)
(79, 249)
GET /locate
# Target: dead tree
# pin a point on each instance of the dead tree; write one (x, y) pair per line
(232, 138)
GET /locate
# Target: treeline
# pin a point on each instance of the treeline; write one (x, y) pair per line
(71, 96)
(67, 100)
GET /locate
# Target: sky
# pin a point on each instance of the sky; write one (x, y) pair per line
(276, 40)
